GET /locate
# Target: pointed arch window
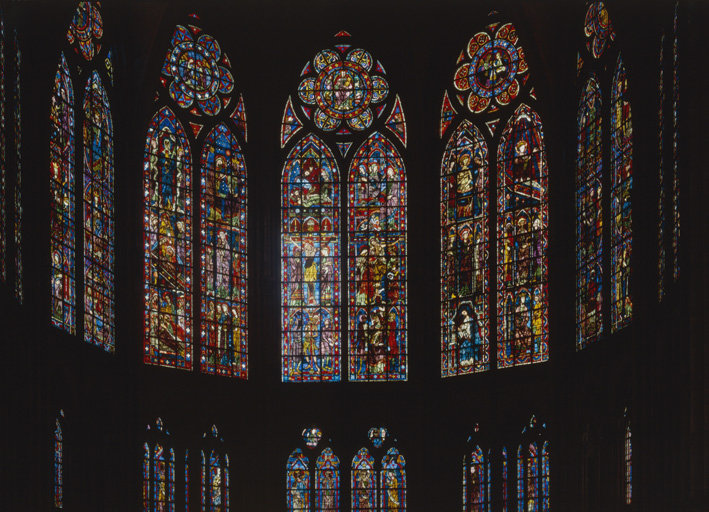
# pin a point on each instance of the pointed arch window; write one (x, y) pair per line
(91, 277)
(477, 482)
(481, 108)
(4, 178)
(158, 470)
(533, 469)
(668, 265)
(313, 486)
(603, 184)
(59, 461)
(215, 474)
(202, 122)
(343, 96)
(627, 460)
(17, 193)
(378, 486)
(589, 222)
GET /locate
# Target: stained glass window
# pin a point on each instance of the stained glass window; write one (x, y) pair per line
(505, 495)
(187, 481)
(223, 257)
(17, 198)
(589, 217)
(327, 482)
(310, 267)
(477, 498)
(533, 476)
(315, 487)
(621, 164)
(215, 482)
(675, 145)
(3, 157)
(364, 482)
(197, 89)
(59, 462)
(158, 472)
(392, 480)
(378, 487)
(377, 262)
(168, 249)
(464, 251)
(628, 462)
(522, 223)
(661, 198)
(492, 74)
(344, 95)
(298, 481)
(99, 240)
(86, 29)
(62, 220)
(215, 474)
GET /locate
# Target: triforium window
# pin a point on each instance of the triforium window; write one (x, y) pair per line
(604, 181)
(378, 484)
(477, 476)
(59, 461)
(85, 62)
(627, 460)
(202, 121)
(486, 193)
(343, 227)
(313, 486)
(158, 470)
(214, 475)
(533, 469)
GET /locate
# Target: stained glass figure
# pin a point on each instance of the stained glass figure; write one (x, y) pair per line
(364, 482)
(3, 157)
(545, 477)
(167, 176)
(310, 264)
(464, 252)
(158, 472)
(589, 216)
(86, 29)
(522, 224)
(392, 482)
(59, 462)
(298, 482)
(198, 71)
(99, 229)
(61, 186)
(215, 483)
(621, 163)
(598, 29)
(661, 198)
(343, 89)
(628, 461)
(675, 146)
(327, 482)
(17, 197)
(223, 277)
(477, 498)
(494, 69)
(377, 262)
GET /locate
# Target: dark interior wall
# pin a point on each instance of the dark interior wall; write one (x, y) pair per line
(655, 366)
